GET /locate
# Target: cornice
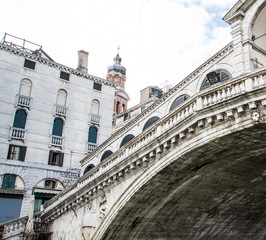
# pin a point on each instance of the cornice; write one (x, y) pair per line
(226, 50)
(57, 65)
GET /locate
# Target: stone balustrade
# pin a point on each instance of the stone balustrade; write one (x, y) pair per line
(95, 119)
(17, 133)
(23, 101)
(15, 226)
(60, 110)
(91, 146)
(56, 141)
(165, 133)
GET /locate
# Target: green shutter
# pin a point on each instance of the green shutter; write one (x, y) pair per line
(9, 181)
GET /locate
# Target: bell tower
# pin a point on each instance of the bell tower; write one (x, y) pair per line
(117, 74)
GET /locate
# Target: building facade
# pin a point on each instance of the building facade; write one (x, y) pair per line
(51, 117)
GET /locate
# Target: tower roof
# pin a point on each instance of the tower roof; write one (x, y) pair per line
(117, 67)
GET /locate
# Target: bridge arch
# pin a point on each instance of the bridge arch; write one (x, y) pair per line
(226, 174)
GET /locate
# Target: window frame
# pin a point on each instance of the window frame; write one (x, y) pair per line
(29, 64)
(64, 75)
(97, 86)
(56, 158)
(21, 154)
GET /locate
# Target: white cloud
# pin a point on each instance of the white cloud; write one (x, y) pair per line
(159, 39)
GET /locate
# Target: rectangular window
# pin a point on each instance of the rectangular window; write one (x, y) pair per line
(29, 64)
(64, 75)
(16, 152)
(56, 158)
(97, 86)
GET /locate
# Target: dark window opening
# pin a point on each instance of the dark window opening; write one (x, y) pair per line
(97, 86)
(178, 101)
(88, 168)
(29, 64)
(8, 181)
(40, 199)
(117, 107)
(126, 139)
(214, 77)
(50, 184)
(20, 119)
(58, 127)
(150, 122)
(16, 152)
(126, 116)
(64, 75)
(92, 137)
(106, 154)
(56, 158)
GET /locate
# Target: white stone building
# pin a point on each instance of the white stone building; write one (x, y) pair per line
(51, 117)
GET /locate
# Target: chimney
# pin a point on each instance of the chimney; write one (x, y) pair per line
(83, 61)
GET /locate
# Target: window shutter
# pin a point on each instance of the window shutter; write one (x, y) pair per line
(9, 151)
(22, 153)
(61, 159)
(50, 157)
(9, 181)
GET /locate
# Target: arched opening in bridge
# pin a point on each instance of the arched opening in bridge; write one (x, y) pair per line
(178, 101)
(106, 154)
(215, 77)
(126, 139)
(150, 122)
(88, 168)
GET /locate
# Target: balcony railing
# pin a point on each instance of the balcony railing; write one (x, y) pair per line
(17, 133)
(91, 146)
(40, 227)
(95, 119)
(56, 141)
(23, 101)
(60, 110)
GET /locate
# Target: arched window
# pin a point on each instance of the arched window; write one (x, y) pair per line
(25, 88)
(8, 181)
(20, 119)
(88, 168)
(126, 139)
(106, 154)
(214, 77)
(178, 101)
(61, 97)
(58, 127)
(92, 137)
(150, 122)
(95, 107)
(117, 107)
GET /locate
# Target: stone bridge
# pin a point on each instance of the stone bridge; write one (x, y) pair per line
(197, 173)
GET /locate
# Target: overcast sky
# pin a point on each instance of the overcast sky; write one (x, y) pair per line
(159, 39)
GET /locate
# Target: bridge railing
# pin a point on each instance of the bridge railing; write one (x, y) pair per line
(211, 96)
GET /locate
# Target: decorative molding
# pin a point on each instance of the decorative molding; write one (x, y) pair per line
(57, 65)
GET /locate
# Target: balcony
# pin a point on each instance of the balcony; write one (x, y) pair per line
(60, 110)
(17, 133)
(56, 141)
(95, 119)
(23, 101)
(91, 146)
